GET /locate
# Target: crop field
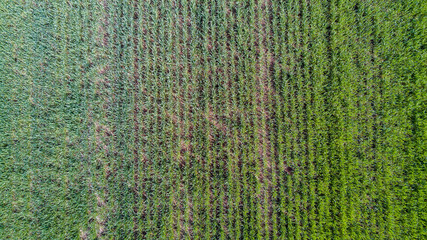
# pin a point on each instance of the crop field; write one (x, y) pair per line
(213, 119)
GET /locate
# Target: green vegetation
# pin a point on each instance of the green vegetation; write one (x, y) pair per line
(224, 119)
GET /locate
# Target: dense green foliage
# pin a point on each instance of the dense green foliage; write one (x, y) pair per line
(223, 119)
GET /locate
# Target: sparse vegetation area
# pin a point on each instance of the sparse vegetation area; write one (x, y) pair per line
(223, 119)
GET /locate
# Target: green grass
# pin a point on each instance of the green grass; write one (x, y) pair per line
(225, 119)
